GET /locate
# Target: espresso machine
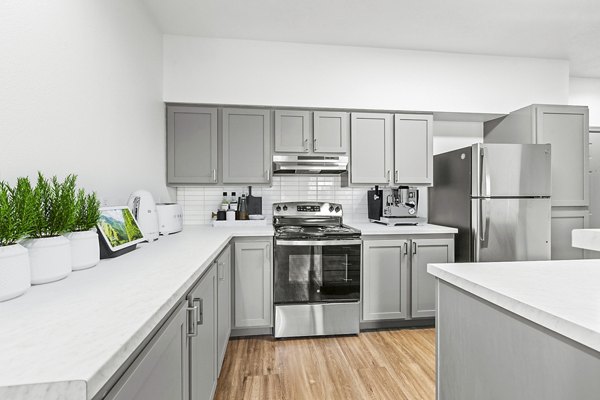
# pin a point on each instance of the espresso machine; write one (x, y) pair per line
(394, 206)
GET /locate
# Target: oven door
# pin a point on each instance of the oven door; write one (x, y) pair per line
(308, 271)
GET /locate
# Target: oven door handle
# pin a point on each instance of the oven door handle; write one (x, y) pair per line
(341, 242)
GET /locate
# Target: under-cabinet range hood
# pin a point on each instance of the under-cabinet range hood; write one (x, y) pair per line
(309, 165)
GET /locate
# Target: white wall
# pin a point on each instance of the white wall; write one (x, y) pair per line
(81, 92)
(201, 70)
(586, 92)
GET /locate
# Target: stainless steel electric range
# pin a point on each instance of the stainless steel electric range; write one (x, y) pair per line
(316, 271)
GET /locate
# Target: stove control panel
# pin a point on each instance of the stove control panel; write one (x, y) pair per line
(307, 209)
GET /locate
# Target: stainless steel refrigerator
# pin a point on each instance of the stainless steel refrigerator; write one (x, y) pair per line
(498, 196)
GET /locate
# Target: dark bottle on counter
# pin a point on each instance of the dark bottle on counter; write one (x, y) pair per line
(243, 208)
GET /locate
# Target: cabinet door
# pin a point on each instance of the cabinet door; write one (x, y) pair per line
(371, 148)
(161, 370)
(413, 149)
(191, 145)
(385, 279)
(566, 128)
(425, 251)
(223, 304)
(292, 131)
(246, 146)
(563, 223)
(331, 132)
(203, 345)
(253, 284)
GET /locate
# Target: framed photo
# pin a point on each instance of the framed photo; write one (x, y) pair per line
(118, 228)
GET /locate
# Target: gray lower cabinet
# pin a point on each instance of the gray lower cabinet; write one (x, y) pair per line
(562, 224)
(413, 149)
(161, 371)
(203, 342)
(191, 145)
(223, 304)
(385, 280)
(371, 148)
(396, 284)
(426, 251)
(292, 131)
(246, 146)
(330, 132)
(253, 284)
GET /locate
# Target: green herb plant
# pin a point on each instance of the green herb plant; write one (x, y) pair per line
(16, 211)
(87, 211)
(54, 206)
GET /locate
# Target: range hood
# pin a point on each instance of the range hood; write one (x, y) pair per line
(309, 165)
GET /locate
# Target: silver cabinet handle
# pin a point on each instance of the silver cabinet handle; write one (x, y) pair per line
(315, 144)
(192, 321)
(396, 176)
(214, 175)
(306, 145)
(405, 248)
(198, 303)
(414, 248)
(222, 270)
(388, 175)
(268, 174)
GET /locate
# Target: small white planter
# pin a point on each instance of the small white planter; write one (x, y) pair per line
(85, 249)
(15, 274)
(50, 259)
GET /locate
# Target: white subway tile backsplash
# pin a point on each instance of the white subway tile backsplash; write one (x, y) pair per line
(200, 202)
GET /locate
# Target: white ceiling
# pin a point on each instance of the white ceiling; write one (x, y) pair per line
(565, 29)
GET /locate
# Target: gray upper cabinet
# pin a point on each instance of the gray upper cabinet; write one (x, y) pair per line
(371, 148)
(253, 284)
(566, 128)
(223, 304)
(413, 149)
(385, 280)
(246, 146)
(330, 132)
(292, 131)
(203, 343)
(425, 251)
(191, 145)
(161, 371)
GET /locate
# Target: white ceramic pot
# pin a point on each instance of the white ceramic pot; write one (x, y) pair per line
(85, 249)
(15, 274)
(50, 258)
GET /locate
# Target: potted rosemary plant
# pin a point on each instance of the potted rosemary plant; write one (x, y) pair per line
(52, 216)
(15, 223)
(85, 248)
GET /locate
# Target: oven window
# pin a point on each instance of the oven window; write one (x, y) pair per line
(316, 273)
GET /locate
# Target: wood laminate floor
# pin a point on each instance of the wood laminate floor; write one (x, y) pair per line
(389, 364)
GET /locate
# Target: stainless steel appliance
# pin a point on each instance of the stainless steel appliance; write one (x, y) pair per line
(394, 206)
(316, 270)
(309, 165)
(498, 196)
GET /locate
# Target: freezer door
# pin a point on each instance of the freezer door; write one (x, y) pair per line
(511, 170)
(511, 229)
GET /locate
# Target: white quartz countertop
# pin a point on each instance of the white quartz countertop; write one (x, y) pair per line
(588, 239)
(370, 228)
(563, 296)
(64, 340)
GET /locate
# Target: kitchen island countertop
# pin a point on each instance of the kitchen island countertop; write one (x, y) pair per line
(374, 229)
(562, 296)
(65, 340)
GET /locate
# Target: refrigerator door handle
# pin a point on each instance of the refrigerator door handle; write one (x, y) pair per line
(484, 231)
(486, 189)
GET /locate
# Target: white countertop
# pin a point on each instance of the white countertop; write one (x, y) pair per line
(563, 296)
(588, 239)
(371, 228)
(64, 340)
